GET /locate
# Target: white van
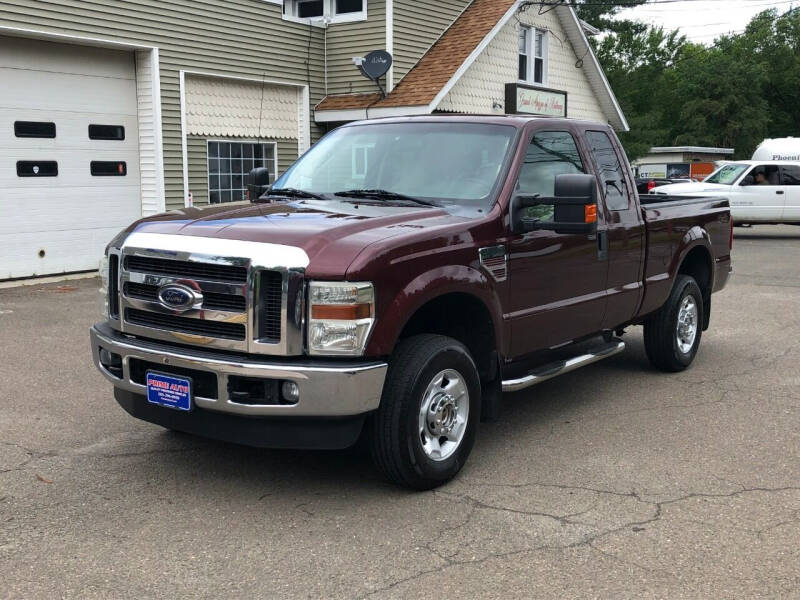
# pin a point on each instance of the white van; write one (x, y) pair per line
(760, 191)
(787, 149)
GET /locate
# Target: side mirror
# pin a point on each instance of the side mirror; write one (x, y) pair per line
(574, 207)
(257, 183)
(748, 180)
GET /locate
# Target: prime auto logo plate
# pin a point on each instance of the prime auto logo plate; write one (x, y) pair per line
(179, 297)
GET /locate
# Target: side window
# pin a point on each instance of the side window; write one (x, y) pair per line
(612, 178)
(790, 175)
(550, 153)
(762, 175)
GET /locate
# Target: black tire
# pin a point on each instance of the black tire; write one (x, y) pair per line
(394, 436)
(660, 330)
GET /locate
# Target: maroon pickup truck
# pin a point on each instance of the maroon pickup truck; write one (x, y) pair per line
(396, 280)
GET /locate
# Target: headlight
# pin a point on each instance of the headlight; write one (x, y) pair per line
(104, 285)
(340, 317)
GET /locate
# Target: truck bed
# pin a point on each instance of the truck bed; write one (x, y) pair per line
(672, 224)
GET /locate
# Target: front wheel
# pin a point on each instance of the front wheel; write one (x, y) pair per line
(425, 427)
(672, 335)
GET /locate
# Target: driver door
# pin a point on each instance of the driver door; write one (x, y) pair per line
(557, 289)
(759, 202)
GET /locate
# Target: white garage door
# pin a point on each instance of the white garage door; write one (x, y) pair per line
(69, 155)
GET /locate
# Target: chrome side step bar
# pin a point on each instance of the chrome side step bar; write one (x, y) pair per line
(555, 369)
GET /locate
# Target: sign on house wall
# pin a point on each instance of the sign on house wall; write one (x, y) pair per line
(523, 99)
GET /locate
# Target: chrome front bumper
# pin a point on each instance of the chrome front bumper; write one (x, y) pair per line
(327, 388)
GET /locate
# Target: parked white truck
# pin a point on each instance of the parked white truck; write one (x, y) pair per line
(764, 190)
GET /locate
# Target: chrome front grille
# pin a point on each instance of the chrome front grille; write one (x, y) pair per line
(248, 296)
(193, 270)
(214, 329)
(211, 301)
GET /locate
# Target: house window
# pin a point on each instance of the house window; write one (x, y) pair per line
(319, 10)
(344, 7)
(229, 162)
(308, 9)
(532, 55)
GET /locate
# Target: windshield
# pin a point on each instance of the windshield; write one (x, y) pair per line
(727, 175)
(444, 163)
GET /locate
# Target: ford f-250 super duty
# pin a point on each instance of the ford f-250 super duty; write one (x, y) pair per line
(396, 280)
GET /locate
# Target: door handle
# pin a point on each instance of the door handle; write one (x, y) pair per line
(602, 245)
(779, 192)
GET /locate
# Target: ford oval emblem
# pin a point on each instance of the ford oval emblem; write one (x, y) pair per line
(176, 296)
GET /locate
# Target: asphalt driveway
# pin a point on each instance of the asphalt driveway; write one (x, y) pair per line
(614, 481)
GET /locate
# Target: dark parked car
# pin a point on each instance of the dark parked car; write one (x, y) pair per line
(397, 279)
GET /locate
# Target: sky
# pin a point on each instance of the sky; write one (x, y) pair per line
(704, 20)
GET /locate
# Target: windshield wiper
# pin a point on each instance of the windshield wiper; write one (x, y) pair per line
(383, 195)
(294, 193)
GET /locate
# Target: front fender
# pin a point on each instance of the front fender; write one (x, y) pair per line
(422, 289)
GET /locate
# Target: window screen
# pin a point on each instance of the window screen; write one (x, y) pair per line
(34, 129)
(230, 162)
(612, 179)
(550, 153)
(349, 6)
(307, 9)
(106, 132)
(37, 168)
(109, 168)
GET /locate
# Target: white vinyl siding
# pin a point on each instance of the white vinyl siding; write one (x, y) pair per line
(481, 89)
(217, 106)
(150, 156)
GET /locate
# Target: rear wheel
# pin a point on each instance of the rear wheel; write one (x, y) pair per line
(672, 335)
(425, 427)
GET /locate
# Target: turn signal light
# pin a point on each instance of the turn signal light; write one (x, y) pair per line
(590, 213)
(341, 312)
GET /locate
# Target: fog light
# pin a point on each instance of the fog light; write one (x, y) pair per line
(290, 392)
(112, 362)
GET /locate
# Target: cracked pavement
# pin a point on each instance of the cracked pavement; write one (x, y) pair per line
(613, 481)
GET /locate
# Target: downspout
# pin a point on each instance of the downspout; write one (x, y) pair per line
(390, 43)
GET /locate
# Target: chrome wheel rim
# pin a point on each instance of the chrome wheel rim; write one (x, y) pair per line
(686, 329)
(443, 415)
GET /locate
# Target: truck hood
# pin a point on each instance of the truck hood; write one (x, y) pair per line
(332, 233)
(687, 189)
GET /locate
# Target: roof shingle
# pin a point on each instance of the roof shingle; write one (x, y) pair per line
(427, 78)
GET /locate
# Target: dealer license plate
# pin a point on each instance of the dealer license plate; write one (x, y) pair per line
(172, 392)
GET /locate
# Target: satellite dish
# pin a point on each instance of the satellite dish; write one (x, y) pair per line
(376, 64)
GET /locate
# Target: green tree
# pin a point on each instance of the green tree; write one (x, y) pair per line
(732, 93)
